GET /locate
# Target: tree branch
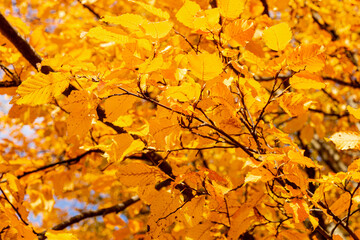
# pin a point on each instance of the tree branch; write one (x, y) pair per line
(266, 7)
(22, 45)
(90, 9)
(69, 161)
(100, 212)
(15, 79)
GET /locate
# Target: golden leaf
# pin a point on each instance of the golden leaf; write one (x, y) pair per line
(231, 9)
(299, 158)
(201, 231)
(205, 66)
(55, 235)
(104, 35)
(294, 104)
(306, 80)
(117, 106)
(346, 140)
(157, 29)
(81, 106)
(306, 57)
(354, 111)
(122, 145)
(277, 36)
(150, 8)
(341, 204)
(130, 21)
(41, 88)
(135, 174)
(186, 14)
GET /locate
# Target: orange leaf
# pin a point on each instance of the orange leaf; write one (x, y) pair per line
(298, 208)
(306, 80)
(341, 204)
(240, 30)
(306, 57)
(136, 174)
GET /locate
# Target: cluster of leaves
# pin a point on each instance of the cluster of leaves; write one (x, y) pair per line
(195, 119)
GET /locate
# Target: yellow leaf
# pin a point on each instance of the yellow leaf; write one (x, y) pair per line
(151, 64)
(252, 58)
(346, 140)
(314, 221)
(306, 80)
(53, 235)
(231, 9)
(157, 29)
(15, 187)
(185, 92)
(130, 21)
(240, 30)
(124, 144)
(104, 35)
(341, 204)
(135, 174)
(150, 8)
(277, 36)
(258, 174)
(41, 88)
(207, 20)
(186, 14)
(354, 111)
(205, 66)
(124, 121)
(19, 24)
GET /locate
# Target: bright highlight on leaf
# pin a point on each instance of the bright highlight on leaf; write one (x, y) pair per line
(41, 88)
(346, 140)
(192, 16)
(231, 9)
(130, 21)
(104, 35)
(157, 29)
(277, 36)
(150, 8)
(53, 235)
(205, 66)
